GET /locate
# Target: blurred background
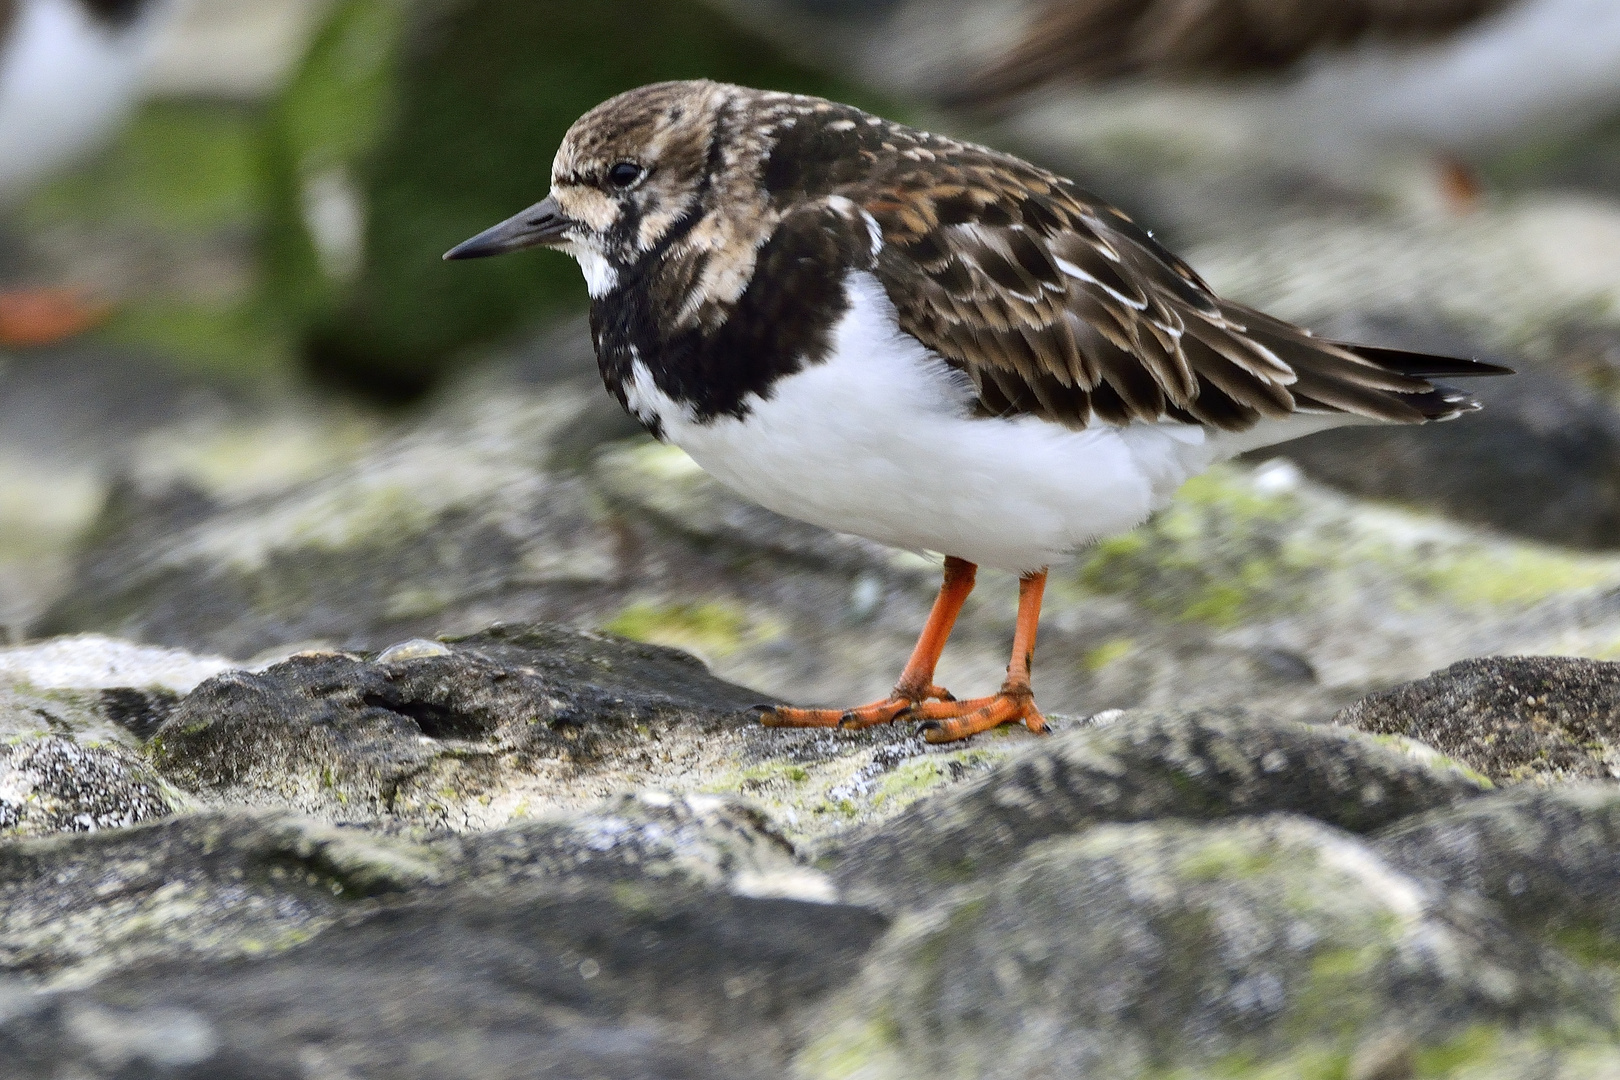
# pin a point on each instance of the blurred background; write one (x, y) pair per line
(244, 407)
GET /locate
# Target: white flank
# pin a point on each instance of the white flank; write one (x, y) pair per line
(879, 441)
(65, 82)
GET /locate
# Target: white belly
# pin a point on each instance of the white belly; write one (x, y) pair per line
(879, 441)
(65, 81)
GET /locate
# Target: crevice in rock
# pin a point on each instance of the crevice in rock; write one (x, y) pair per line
(436, 721)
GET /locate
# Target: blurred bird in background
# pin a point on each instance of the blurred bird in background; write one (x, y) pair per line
(1345, 84)
(70, 70)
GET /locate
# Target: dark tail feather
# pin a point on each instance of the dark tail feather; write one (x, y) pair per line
(1442, 402)
(1424, 365)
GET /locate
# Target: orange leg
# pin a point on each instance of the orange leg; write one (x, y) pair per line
(947, 721)
(916, 681)
(46, 316)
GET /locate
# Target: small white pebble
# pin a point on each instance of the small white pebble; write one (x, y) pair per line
(1277, 477)
(414, 649)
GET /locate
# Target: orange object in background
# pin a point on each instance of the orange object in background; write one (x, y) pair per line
(31, 317)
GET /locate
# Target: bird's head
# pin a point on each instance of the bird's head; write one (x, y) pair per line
(631, 176)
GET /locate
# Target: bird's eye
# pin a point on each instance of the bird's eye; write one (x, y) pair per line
(624, 174)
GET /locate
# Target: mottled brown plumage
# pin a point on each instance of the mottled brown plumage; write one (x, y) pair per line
(1179, 39)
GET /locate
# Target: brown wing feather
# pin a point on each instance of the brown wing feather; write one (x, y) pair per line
(1058, 305)
(1110, 39)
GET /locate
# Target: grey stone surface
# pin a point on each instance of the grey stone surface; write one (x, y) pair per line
(1143, 767)
(1138, 950)
(1547, 858)
(229, 883)
(410, 736)
(571, 982)
(1510, 717)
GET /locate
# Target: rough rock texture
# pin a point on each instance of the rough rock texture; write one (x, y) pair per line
(1200, 765)
(520, 982)
(1512, 717)
(242, 883)
(72, 714)
(1548, 858)
(1137, 950)
(1140, 894)
(472, 732)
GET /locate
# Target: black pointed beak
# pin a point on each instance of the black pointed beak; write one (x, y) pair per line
(541, 225)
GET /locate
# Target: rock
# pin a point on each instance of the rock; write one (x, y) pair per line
(424, 735)
(517, 982)
(193, 885)
(72, 713)
(88, 662)
(92, 429)
(1547, 858)
(473, 732)
(1267, 946)
(54, 784)
(1510, 717)
(706, 840)
(1147, 767)
(234, 882)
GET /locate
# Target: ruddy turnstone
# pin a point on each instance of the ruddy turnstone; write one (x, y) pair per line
(1353, 79)
(921, 341)
(69, 72)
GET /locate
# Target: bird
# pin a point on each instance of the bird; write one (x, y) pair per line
(70, 71)
(929, 343)
(1337, 84)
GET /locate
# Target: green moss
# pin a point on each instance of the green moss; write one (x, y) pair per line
(1588, 943)
(1306, 1062)
(1216, 555)
(180, 166)
(913, 779)
(1431, 757)
(1519, 577)
(220, 336)
(1220, 858)
(868, 1046)
(1476, 1045)
(1108, 652)
(713, 629)
(1337, 997)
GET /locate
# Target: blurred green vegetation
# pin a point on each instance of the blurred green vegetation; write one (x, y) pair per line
(408, 126)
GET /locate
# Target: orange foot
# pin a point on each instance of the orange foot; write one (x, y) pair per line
(894, 707)
(947, 721)
(30, 317)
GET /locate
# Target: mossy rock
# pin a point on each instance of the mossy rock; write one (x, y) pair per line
(1267, 947)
